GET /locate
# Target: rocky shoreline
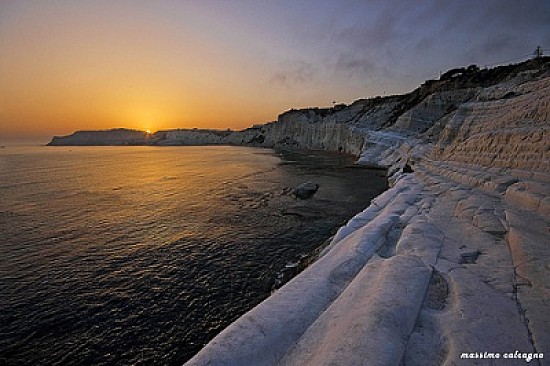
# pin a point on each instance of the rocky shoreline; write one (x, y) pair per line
(451, 264)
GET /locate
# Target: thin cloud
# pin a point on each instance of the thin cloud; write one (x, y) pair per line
(398, 35)
(380, 33)
(293, 73)
(355, 65)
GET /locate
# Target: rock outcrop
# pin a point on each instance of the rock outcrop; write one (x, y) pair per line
(119, 136)
(451, 265)
(305, 190)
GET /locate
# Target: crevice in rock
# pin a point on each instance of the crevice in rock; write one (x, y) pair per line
(523, 314)
(426, 345)
(437, 292)
(521, 311)
(387, 250)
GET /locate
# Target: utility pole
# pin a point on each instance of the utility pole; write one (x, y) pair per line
(538, 52)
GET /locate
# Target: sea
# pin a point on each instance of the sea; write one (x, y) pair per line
(141, 255)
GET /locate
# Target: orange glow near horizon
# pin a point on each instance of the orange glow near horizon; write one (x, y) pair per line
(58, 99)
(70, 67)
(154, 65)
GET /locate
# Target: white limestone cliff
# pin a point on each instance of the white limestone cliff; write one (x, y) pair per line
(451, 264)
(189, 137)
(313, 129)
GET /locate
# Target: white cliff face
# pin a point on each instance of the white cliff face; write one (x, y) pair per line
(451, 261)
(189, 137)
(435, 106)
(310, 130)
(509, 132)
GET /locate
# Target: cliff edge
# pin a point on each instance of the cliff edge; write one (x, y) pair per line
(451, 265)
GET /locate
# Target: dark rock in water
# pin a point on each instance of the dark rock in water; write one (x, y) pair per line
(305, 190)
(304, 212)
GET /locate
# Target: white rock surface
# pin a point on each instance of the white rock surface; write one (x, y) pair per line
(453, 259)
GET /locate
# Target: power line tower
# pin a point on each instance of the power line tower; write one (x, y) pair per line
(538, 52)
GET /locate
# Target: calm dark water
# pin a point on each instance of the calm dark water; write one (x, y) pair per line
(141, 255)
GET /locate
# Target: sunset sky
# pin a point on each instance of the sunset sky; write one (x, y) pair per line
(71, 65)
